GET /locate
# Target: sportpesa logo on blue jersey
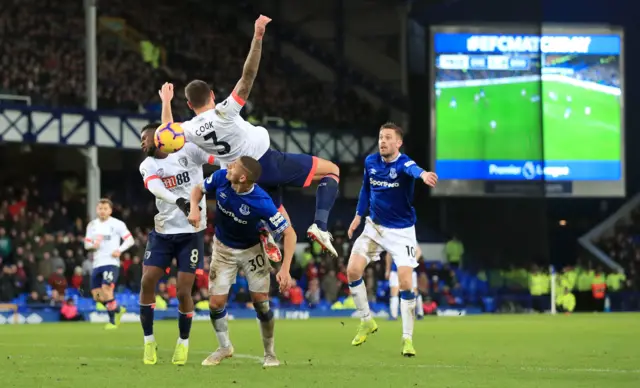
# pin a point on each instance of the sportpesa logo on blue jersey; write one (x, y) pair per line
(374, 182)
(231, 214)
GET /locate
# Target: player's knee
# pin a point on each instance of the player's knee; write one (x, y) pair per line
(355, 268)
(406, 284)
(216, 304)
(334, 170)
(183, 294)
(263, 311)
(147, 285)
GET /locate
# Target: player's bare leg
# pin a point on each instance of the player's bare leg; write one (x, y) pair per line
(218, 316)
(407, 309)
(185, 316)
(267, 327)
(113, 309)
(328, 176)
(150, 278)
(355, 270)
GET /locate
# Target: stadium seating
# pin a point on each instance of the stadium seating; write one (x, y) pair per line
(214, 50)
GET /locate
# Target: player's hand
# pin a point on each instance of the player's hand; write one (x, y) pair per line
(284, 279)
(184, 206)
(96, 242)
(166, 92)
(429, 178)
(261, 25)
(354, 225)
(194, 219)
(115, 253)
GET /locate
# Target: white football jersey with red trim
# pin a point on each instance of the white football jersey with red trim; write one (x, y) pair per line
(180, 172)
(224, 133)
(109, 233)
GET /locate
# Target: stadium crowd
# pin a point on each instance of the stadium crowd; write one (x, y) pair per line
(42, 255)
(42, 56)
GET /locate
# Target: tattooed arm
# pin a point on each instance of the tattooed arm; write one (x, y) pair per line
(250, 69)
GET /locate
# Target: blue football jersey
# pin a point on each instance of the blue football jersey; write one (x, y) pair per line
(239, 216)
(387, 191)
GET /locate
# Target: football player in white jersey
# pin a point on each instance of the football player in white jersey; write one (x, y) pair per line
(103, 238)
(171, 177)
(221, 131)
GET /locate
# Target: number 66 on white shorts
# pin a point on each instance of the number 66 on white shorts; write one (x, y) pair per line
(400, 243)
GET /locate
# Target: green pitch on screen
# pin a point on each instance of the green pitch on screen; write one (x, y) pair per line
(590, 131)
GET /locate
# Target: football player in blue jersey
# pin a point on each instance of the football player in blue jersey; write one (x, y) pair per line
(242, 210)
(387, 195)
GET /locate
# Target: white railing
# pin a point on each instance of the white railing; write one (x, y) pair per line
(600, 230)
(13, 97)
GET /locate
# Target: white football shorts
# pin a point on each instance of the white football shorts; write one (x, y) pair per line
(226, 262)
(400, 243)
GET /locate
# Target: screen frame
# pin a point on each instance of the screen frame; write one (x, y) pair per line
(538, 188)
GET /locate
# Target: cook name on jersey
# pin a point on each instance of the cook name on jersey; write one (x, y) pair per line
(207, 130)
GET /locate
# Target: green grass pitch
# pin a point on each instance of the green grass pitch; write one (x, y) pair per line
(465, 132)
(471, 351)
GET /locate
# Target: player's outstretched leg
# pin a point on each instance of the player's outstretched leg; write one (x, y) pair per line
(267, 328)
(150, 279)
(328, 175)
(407, 309)
(218, 316)
(355, 270)
(185, 317)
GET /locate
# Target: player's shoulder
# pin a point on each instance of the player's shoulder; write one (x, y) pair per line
(115, 221)
(147, 163)
(218, 178)
(405, 160)
(372, 159)
(259, 193)
(189, 149)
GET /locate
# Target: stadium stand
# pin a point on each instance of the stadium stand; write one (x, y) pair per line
(214, 50)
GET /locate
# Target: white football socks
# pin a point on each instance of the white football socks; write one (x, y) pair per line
(394, 303)
(359, 295)
(408, 312)
(419, 307)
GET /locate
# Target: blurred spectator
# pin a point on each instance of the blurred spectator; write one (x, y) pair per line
(58, 282)
(5, 244)
(134, 274)
(295, 295)
(57, 262)
(7, 284)
(330, 286)
(313, 293)
(77, 279)
(69, 311)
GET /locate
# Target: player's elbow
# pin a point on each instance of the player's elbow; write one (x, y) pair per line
(289, 234)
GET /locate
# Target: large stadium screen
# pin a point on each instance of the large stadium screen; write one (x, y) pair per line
(519, 110)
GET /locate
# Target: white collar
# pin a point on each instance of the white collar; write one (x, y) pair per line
(395, 159)
(253, 186)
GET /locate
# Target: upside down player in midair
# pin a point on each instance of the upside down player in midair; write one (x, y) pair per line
(242, 208)
(221, 131)
(386, 195)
